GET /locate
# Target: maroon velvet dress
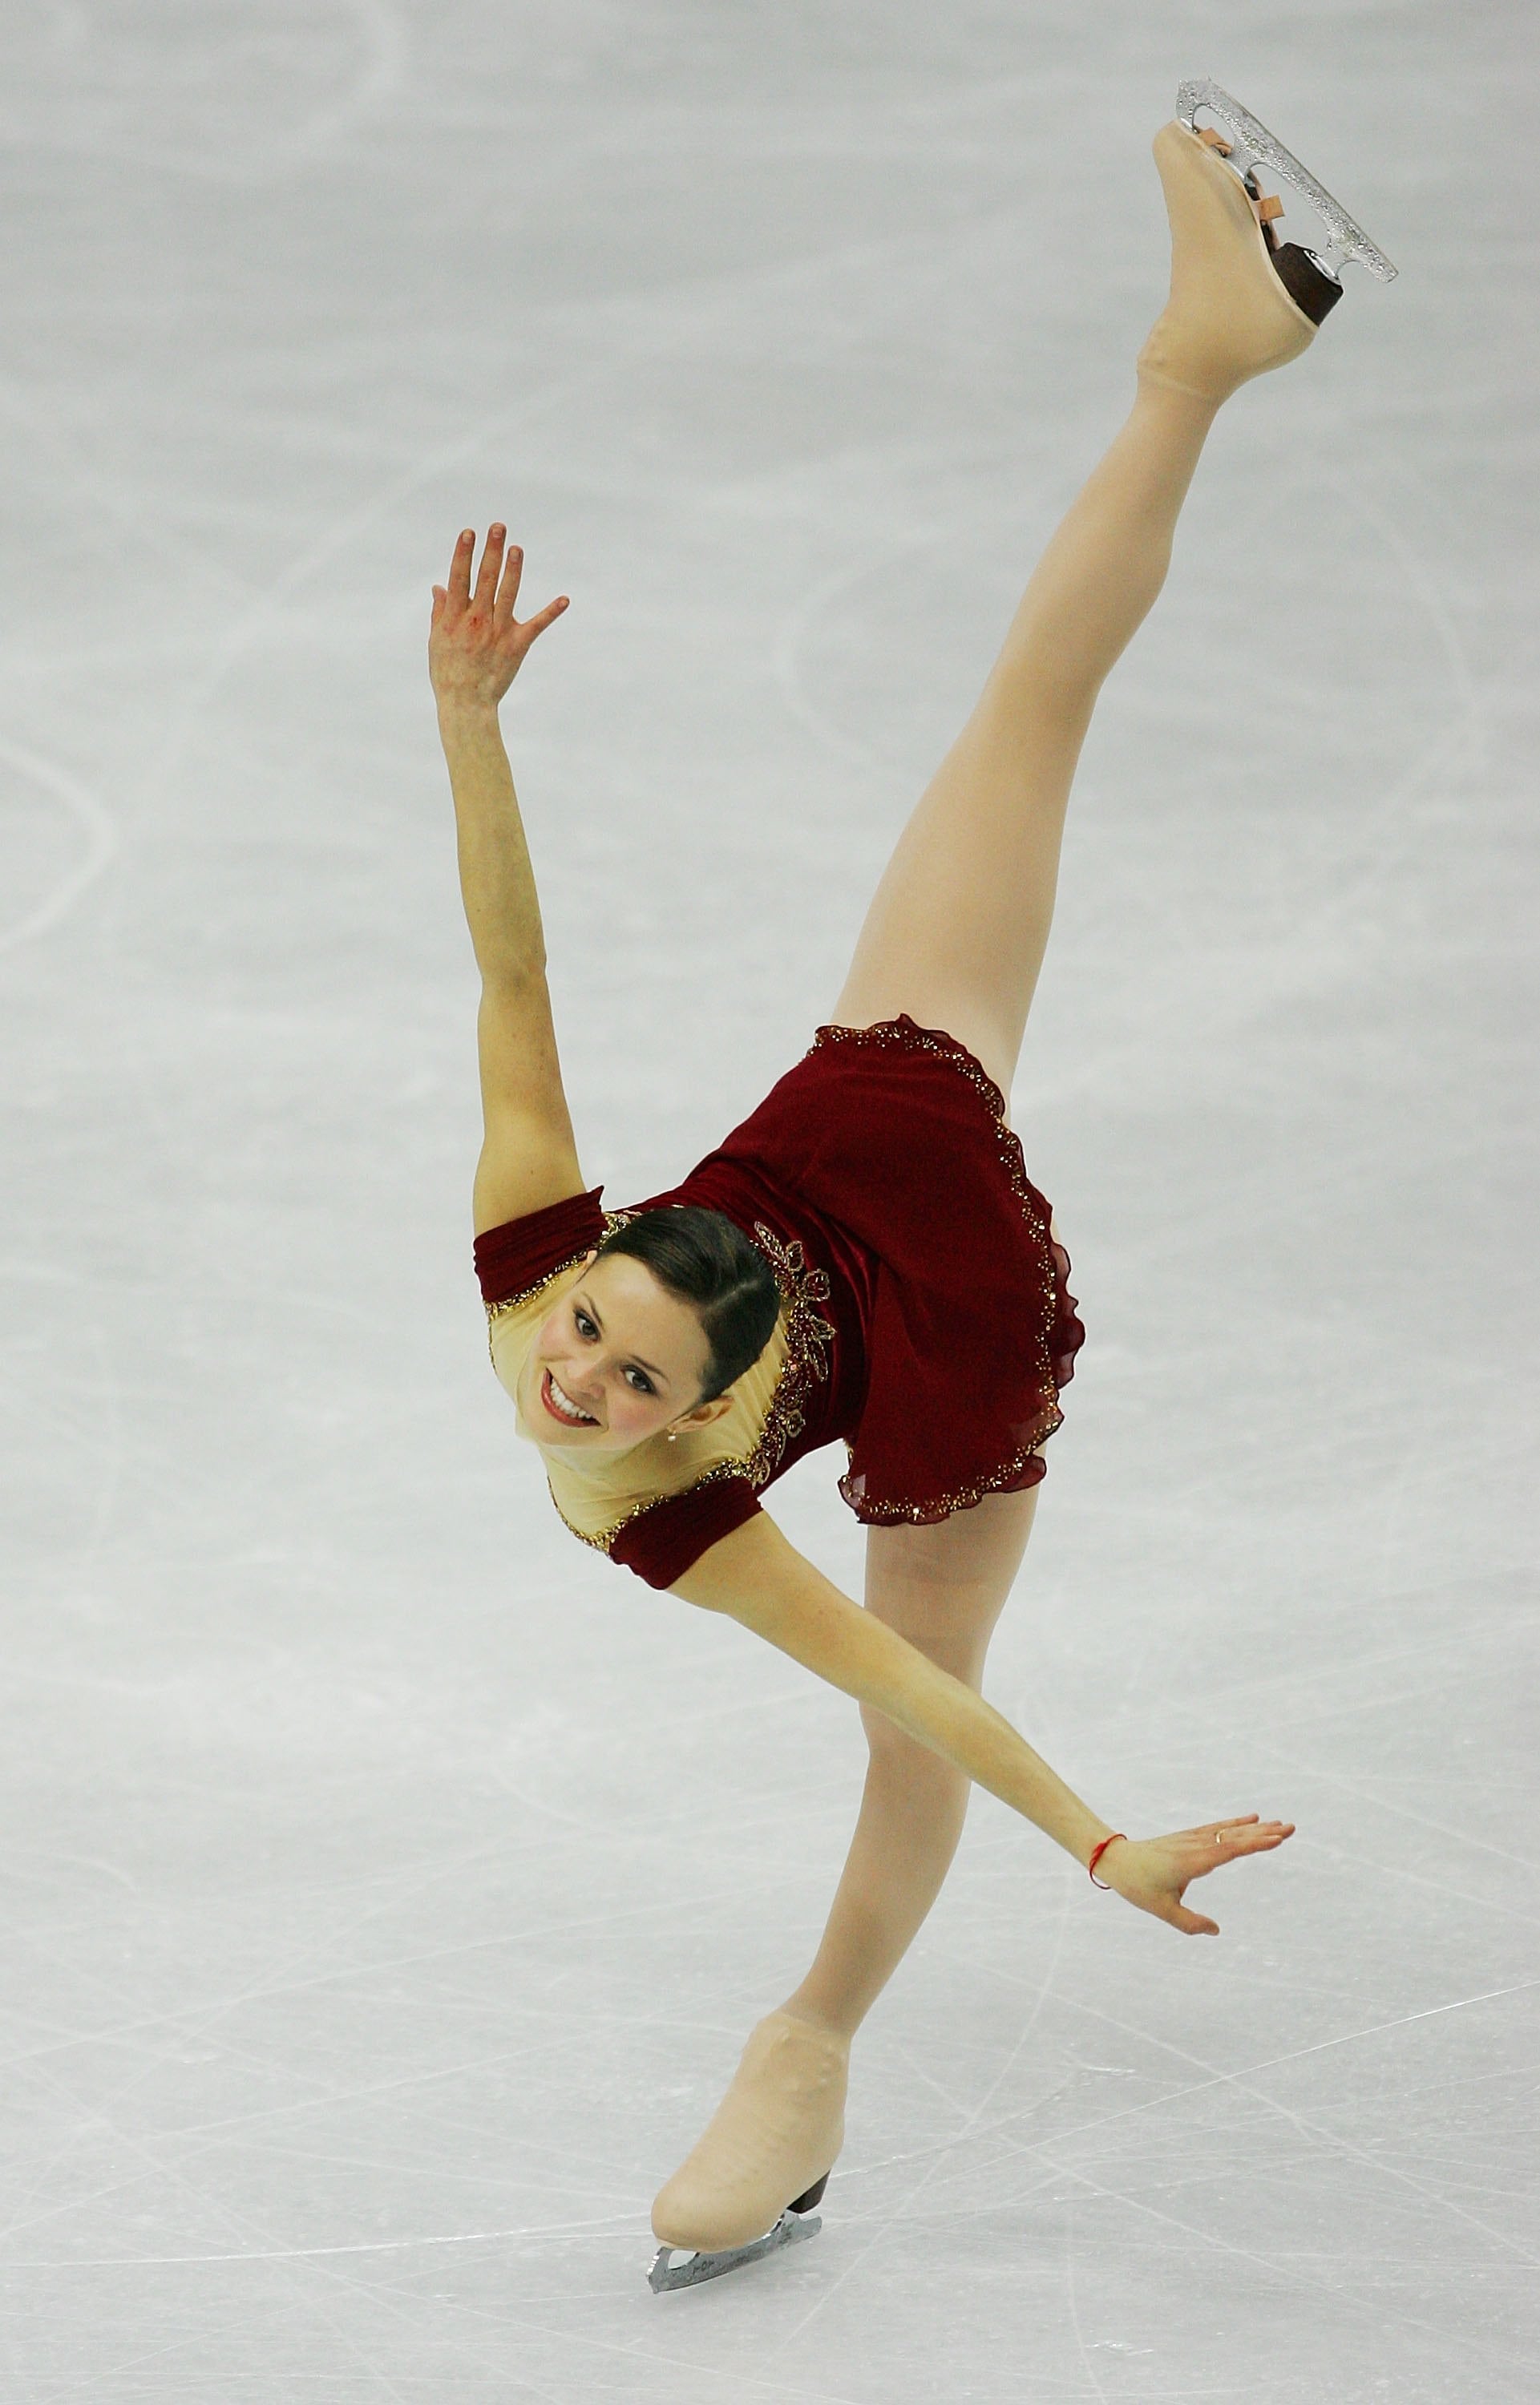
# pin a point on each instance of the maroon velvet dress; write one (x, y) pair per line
(930, 1322)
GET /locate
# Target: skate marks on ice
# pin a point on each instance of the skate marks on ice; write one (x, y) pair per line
(1050, 2159)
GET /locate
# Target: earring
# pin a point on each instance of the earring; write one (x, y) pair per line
(672, 1433)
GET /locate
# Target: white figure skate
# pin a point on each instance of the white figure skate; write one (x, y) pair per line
(780, 2126)
(798, 2221)
(1312, 273)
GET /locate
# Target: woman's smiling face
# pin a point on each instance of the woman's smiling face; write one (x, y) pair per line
(617, 1359)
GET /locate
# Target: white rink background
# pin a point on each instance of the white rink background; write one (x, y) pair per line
(390, 1884)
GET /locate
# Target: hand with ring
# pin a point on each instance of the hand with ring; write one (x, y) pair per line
(1154, 1872)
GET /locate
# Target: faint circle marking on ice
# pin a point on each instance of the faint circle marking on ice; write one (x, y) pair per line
(904, 710)
(265, 607)
(794, 635)
(101, 841)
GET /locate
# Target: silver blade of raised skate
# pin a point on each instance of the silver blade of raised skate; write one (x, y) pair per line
(1349, 239)
(695, 2268)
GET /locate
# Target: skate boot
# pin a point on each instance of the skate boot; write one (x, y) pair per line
(1241, 301)
(773, 2138)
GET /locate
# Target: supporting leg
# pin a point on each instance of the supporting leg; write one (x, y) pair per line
(944, 1589)
(912, 1816)
(782, 2122)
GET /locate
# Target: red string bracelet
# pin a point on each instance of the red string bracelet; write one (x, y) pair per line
(1096, 1853)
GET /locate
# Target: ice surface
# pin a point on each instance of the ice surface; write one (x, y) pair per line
(390, 1884)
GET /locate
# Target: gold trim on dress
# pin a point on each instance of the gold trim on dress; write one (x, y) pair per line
(606, 1536)
(941, 1507)
(807, 1332)
(612, 1219)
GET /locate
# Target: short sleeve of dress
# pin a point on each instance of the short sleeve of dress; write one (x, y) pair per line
(661, 1543)
(514, 1257)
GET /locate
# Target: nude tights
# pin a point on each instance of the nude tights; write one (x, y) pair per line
(998, 803)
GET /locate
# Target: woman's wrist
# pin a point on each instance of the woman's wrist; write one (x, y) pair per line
(1095, 1861)
(466, 717)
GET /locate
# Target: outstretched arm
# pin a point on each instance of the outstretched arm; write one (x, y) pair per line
(476, 648)
(757, 1576)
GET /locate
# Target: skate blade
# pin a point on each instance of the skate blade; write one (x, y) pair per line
(695, 2268)
(1254, 146)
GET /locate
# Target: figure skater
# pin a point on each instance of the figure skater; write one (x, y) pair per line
(864, 1259)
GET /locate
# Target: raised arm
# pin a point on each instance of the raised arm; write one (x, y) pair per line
(476, 647)
(758, 1577)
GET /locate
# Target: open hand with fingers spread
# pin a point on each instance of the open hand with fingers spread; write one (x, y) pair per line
(1153, 1872)
(476, 644)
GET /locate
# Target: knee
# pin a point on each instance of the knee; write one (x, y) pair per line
(901, 1761)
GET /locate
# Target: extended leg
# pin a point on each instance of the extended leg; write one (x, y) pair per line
(958, 928)
(958, 925)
